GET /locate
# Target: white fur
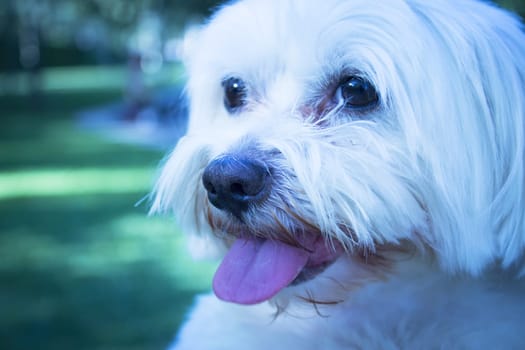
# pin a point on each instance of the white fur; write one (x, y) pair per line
(437, 167)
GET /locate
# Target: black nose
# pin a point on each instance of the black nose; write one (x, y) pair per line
(233, 184)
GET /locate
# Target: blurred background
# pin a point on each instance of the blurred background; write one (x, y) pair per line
(90, 102)
(89, 105)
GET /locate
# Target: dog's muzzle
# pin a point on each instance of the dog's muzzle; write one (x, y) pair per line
(234, 184)
(261, 261)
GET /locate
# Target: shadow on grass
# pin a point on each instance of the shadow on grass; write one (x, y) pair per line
(84, 270)
(135, 308)
(91, 273)
(45, 134)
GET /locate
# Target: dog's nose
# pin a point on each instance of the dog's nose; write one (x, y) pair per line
(233, 184)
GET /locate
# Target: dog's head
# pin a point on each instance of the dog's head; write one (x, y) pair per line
(337, 131)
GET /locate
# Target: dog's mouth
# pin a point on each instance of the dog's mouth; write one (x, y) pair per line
(255, 269)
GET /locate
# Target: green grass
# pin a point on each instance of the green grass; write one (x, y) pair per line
(81, 266)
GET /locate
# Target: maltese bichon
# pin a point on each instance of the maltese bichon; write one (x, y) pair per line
(359, 167)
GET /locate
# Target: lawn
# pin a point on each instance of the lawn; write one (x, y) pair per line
(81, 265)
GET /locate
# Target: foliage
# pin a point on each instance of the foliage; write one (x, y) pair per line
(72, 32)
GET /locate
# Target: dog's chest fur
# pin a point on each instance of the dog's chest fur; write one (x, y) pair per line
(417, 308)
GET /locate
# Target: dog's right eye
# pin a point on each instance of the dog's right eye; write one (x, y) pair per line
(234, 94)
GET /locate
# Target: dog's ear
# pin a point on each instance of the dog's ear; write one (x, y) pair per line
(500, 52)
(474, 138)
(504, 87)
(192, 39)
(189, 43)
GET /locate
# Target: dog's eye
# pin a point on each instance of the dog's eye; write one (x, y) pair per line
(357, 92)
(234, 94)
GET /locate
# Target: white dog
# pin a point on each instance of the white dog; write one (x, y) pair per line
(360, 164)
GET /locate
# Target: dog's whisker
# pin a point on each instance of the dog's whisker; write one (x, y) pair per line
(309, 298)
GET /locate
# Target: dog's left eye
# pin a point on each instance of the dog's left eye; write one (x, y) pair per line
(357, 92)
(234, 94)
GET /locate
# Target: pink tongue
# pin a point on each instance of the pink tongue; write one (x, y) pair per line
(254, 270)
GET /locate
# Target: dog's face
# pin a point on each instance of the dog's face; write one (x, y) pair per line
(325, 134)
